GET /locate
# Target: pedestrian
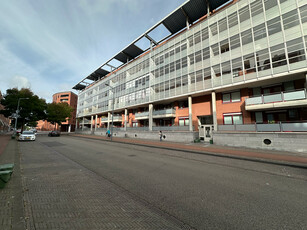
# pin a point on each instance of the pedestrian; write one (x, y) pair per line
(108, 133)
(161, 135)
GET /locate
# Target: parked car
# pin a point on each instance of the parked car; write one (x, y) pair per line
(33, 130)
(54, 134)
(27, 136)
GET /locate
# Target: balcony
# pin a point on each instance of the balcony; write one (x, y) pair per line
(286, 99)
(116, 118)
(164, 113)
(142, 116)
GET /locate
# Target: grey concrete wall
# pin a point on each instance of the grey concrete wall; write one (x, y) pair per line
(293, 142)
(176, 136)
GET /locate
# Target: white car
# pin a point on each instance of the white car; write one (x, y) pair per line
(27, 136)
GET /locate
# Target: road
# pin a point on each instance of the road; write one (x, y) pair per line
(200, 191)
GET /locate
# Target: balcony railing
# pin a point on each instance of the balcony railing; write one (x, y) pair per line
(277, 97)
(164, 112)
(142, 114)
(277, 127)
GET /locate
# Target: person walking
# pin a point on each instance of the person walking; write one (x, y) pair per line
(108, 133)
(161, 135)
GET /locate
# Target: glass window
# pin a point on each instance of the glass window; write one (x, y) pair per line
(191, 41)
(274, 25)
(197, 38)
(185, 80)
(290, 19)
(217, 70)
(231, 97)
(296, 50)
(237, 67)
(303, 11)
(206, 53)
(222, 25)
(192, 59)
(257, 91)
(235, 41)
(237, 119)
(259, 32)
(224, 46)
(268, 4)
(178, 65)
(199, 76)
(246, 37)
(226, 69)
(249, 63)
(198, 56)
(184, 62)
(227, 120)
(233, 19)
(244, 14)
(278, 55)
(263, 59)
(207, 73)
(213, 29)
(204, 34)
(256, 8)
(215, 49)
(183, 121)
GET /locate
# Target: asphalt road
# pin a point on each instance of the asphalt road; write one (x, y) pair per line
(204, 192)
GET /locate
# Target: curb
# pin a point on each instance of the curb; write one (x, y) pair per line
(208, 153)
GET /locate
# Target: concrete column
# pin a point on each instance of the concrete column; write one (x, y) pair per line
(150, 116)
(76, 124)
(91, 123)
(96, 119)
(214, 110)
(83, 124)
(306, 81)
(69, 128)
(109, 118)
(190, 113)
(126, 111)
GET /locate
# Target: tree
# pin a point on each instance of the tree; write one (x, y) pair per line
(58, 112)
(30, 110)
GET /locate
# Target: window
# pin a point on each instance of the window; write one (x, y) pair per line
(303, 11)
(213, 29)
(244, 14)
(64, 95)
(256, 8)
(268, 4)
(233, 118)
(198, 56)
(274, 25)
(215, 49)
(290, 19)
(278, 55)
(233, 19)
(235, 41)
(222, 25)
(231, 97)
(246, 37)
(226, 69)
(224, 45)
(183, 121)
(206, 53)
(296, 50)
(204, 34)
(237, 67)
(249, 63)
(263, 60)
(259, 32)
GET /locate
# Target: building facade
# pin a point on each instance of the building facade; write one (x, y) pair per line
(71, 99)
(240, 67)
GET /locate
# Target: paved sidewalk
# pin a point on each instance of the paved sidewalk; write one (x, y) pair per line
(271, 156)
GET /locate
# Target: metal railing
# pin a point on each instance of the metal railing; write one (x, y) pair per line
(276, 127)
(277, 97)
(164, 112)
(142, 114)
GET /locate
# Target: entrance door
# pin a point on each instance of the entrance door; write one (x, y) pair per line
(205, 132)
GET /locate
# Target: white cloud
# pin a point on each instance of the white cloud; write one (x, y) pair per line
(19, 82)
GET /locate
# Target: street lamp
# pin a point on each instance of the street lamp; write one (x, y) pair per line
(17, 112)
(112, 108)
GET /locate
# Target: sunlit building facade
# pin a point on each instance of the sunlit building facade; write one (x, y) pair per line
(241, 64)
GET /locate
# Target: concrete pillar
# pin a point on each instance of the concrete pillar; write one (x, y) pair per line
(91, 123)
(306, 81)
(109, 118)
(76, 124)
(150, 116)
(83, 124)
(69, 128)
(214, 110)
(96, 120)
(190, 113)
(126, 118)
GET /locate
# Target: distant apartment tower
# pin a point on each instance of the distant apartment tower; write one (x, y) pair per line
(71, 99)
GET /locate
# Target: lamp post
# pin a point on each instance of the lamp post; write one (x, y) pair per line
(112, 109)
(17, 112)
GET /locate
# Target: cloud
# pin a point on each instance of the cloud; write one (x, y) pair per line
(19, 82)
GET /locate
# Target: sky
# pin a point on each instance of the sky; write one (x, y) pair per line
(51, 45)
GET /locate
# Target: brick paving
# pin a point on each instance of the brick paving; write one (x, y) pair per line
(272, 156)
(61, 194)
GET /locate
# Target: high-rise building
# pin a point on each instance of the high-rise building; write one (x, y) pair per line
(71, 99)
(231, 65)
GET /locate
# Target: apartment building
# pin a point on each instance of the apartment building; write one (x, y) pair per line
(71, 99)
(225, 65)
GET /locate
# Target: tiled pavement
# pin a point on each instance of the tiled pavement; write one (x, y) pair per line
(57, 193)
(271, 156)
